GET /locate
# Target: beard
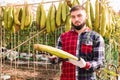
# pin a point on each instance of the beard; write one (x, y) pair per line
(79, 26)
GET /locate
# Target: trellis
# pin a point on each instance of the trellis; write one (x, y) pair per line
(22, 42)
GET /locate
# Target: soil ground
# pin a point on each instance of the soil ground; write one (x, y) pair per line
(31, 71)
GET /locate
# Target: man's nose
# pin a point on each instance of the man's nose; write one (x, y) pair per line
(76, 18)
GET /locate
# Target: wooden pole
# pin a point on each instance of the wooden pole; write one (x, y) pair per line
(34, 3)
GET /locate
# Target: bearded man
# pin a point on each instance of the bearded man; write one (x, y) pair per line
(84, 43)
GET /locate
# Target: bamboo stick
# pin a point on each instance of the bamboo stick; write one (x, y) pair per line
(33, 3)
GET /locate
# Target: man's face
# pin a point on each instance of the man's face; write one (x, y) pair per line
(78, 19)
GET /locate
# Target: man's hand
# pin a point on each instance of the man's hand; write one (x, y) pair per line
(55, 59)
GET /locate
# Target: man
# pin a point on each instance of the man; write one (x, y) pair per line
(84, 43)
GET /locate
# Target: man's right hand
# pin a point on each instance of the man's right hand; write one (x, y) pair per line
(55, 59)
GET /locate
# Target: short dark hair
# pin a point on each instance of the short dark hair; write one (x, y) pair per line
(77, 7)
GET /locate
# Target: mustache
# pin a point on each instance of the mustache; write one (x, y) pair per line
(81, 23)
(77, 22)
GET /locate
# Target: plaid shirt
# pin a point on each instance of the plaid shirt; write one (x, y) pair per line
(89, 45)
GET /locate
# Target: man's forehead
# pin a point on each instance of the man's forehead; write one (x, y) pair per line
(79, 12)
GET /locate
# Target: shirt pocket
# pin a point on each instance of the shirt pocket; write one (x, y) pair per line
(86, 47)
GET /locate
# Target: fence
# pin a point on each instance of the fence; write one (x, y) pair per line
(18, 56)
(19, 60)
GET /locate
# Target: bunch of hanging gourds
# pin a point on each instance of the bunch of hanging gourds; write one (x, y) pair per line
(101, 17)
(16, 18)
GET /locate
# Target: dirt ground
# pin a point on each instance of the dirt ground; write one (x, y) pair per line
(31, 72)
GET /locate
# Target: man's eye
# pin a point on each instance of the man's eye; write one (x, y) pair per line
(72, 16)
(79, 15)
